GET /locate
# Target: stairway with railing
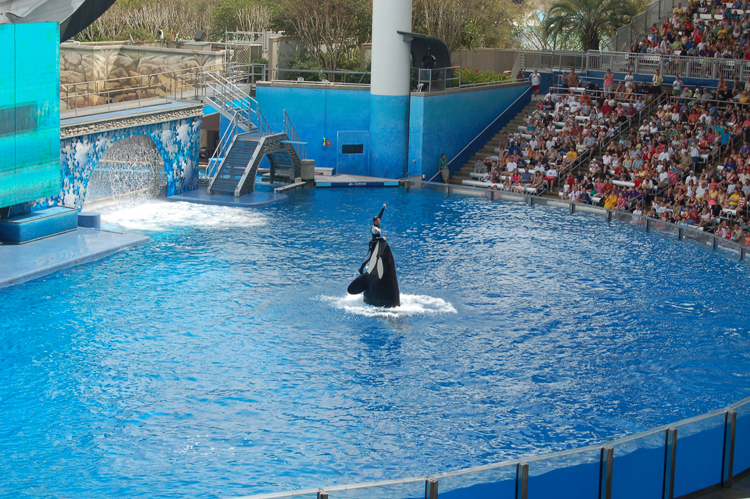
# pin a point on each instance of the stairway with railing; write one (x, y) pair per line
(233, 103)
(247, 140)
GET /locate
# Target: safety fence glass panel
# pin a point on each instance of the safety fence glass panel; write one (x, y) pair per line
(700, 448)
(468, 191)
(428, 186)
(698, 238)
(298, 494)
(666, 229)
(638, 467)
(622, 216)
(578, 471)
(584, 208)
(728, 248)
(498, 483)
(637, 222)
(412, 490)
(742, 437)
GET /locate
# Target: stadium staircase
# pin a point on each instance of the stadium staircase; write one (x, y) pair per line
(246, 141)
(489, 148)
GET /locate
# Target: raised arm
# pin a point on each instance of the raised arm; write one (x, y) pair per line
(380, 215)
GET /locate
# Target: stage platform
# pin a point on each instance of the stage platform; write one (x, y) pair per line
(36, 259)
(345, 180)
(251, 200)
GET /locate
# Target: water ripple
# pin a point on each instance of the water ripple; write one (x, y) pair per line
(224, 358)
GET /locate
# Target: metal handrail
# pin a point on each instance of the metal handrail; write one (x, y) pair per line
(324, 75)
(291, 132)
(422, 79)
(646, 64)
(233, 99)
(177, 82)
(221, 149)
(263, 125)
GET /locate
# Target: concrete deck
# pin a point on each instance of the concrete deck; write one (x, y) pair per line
(21, 263)
(345, 180)
(251, 200)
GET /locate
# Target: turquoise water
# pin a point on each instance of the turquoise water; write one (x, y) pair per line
(224, 358)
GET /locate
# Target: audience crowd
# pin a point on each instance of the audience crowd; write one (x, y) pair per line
(686, 162)
(708, 29)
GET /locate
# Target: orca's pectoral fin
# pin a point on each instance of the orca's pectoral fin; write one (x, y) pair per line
(358, 285)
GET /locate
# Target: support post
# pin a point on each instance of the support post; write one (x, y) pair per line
(609, 215)
(605, 473)
(431, 489)
(322, 495)
(670, 454)
(727, 464)
(572, 208)
(522, 481)
(713, 243)
(680, 234)
(648, 224)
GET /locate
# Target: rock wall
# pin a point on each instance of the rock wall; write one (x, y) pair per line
(92, 75)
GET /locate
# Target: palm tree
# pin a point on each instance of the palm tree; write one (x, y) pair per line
(582, 23)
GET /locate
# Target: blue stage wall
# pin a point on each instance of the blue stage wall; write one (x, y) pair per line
(439, 122)
(29, 112)
(447, 122)
(319, 112)
(389, 129)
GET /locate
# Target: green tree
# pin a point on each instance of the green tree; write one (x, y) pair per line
(471, 23)
(330, 30)
(581, 24)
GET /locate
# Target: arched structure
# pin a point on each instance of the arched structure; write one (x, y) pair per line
(178, 143)
(131, 167)
(237, 171)
(177, 140)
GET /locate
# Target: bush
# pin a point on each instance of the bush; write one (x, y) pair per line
(472, 76)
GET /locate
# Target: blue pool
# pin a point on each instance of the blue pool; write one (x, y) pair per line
(224, 358)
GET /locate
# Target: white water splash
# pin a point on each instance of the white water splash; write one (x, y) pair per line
(157, 215)
(410, 305)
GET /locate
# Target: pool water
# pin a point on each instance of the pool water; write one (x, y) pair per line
(225, 358)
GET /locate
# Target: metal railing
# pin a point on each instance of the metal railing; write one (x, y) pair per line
(169, 84)
(225, 144)
(291, 132)
(644, 64)
(433, 80)
(553, 60)
(224, 93)
(640, 25)
(338, 77)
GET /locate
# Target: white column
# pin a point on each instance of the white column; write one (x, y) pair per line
(391, 56)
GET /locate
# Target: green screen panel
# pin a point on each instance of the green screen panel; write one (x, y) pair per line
(30, 110)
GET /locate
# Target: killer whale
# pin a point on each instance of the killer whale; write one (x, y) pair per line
(379, 283)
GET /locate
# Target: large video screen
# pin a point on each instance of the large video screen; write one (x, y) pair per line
(29, 112)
